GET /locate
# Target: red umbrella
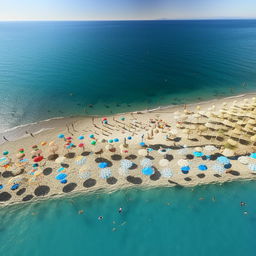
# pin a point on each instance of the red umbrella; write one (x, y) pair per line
(81, 145)
(38, 159)
(104, 119)
(68, 138)
(35, 146)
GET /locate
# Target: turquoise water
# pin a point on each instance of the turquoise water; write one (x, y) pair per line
(50, 69)
(206, 220)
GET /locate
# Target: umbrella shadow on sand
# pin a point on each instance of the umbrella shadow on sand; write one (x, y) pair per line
(5, 196)
(70, 155)
(175, 183)
(133, 167)
(89, 183)
(47, 171)
(234, 173)
(131, 157)
(69, 187)
(21, 191)
(134, 180)
(200, 175)
(111, 180)
(42, 190)
(7, 174)
(102, 159)
(156, 176)
(86, 153)
(27, 198)
(52, 157)
(116, 157)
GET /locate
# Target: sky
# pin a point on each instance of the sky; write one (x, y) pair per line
(125, 9)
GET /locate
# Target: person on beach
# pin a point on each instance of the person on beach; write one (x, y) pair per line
(5, 138)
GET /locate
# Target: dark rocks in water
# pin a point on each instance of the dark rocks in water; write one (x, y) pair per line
(5, 196)
(47, 171)
(89, 183)
(21, 191)
(42, 190)
(69, 187)
(27, 198)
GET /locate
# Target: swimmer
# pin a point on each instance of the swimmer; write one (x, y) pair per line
(120, 210)
(100, 218)
(242, 204)
(80, 211)
(245, 212)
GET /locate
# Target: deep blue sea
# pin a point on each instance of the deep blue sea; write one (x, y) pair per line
(206, 220)
(52, 69)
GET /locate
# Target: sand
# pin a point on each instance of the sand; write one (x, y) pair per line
(135, 124)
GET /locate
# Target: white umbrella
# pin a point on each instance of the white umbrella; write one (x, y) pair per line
(143, 152)
(80, 160)
(210, 148)
(183, 162)
(84, 174)
(243, 159)
(126, 164)
(163, 162)
(228, 152)
(124, 171)
(60, 159)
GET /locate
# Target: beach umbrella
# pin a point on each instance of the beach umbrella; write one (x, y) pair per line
(61, 176)
(227, 166)
(148, 171)
(5, 153)
(105, 173)
(102, 165)
(20, 155)
(198, 154)
(4, 161)
(116, 140)
(202, 167)
(185, 169)
(129, 137)
(218, 168)
(80, 160)
(142, 144)
(228, 152)
(17, 179)
(183, 151)
(81, 137)
(223, 160)
(143, 152)
(84, 174)
(146, 162)
(110, 141)
(93, 142)
(253, 155)
(43, 143)
(61, 136)
(163, 162)
(166, 173)
(61, 169)
(81, 145)
(243, 160)
(15, 186)
(210, 148)
(123, 171)
(1, 186)
(60, 159)
(38, 159)
(126, 164)
(183, 162)
(252, 167)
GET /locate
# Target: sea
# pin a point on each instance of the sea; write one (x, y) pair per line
(60, 69)
(56, 69)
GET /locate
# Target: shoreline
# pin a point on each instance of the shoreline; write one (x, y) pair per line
(116, 129)
(18, 132)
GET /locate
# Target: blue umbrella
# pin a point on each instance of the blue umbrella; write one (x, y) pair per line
(81, 137)
(148, 171)
(253, 155)
(61, 136)
(223, 160)
(129, 138)
(142, 144)
(218, 168)
(61, 176)
(198, 154)
(110, 141)
(185, 169)
(116, 140)
(150, 149)
(61, 169)
(202, 167)
(5, 153)
(227, 166)
(1, 186)
(63, 181)
(102, 165)
(15, 186)
(91, 136)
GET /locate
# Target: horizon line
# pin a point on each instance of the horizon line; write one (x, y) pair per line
(159, 19)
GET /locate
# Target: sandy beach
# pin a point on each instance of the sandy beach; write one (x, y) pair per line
(116, 138)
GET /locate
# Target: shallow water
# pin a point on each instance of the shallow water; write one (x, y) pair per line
(50, 69)
(206, 220)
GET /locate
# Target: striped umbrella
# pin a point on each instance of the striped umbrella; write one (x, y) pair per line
(243, 159)
(80, 160)
(146, 162)
(126, 164)
(84, 174)
(166, 173)
(124, 171)
(105, 173)
(252, 167)
(218, 168)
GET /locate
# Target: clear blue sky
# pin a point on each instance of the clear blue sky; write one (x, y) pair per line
(125, 9)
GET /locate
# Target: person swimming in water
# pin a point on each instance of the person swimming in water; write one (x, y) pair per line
(242, 204)
(120, 210)
(100, 218)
